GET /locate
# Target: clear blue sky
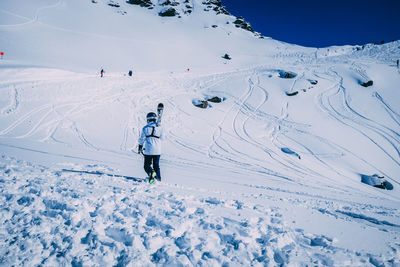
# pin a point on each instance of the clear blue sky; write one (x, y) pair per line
(321, 23)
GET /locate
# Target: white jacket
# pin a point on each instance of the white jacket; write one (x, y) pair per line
(150, 138)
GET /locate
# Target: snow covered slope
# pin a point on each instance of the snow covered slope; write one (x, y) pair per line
(82, 35)
(270, 176)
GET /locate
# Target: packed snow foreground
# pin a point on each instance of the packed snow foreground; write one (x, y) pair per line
(271, 157)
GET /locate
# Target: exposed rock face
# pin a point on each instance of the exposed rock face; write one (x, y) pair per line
(169, 3)
(176, 8)
(241, 23)
(142, 3)
(169, 12)
(292, 94)
(215, 5)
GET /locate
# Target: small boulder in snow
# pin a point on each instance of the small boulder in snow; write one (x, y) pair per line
(112, 4)
(376, 181)
(367, 84)
(200, 103)
(292, 93)
(215, 99)
(287, 74)
(168, 12)
(313, 82)
(226, 56)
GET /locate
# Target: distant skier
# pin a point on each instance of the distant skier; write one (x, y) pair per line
(150, 145)
(397, 62)
(101, 73)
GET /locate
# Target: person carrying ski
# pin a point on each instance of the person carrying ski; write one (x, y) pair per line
(150, 146)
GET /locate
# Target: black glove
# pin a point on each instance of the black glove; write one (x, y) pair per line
(140, 150)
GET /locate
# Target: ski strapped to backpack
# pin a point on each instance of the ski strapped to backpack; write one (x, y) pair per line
(160, 109)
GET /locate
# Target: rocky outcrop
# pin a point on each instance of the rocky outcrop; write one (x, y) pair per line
(169, 3)
(215, 5)
(142, 3)
(168, 12)
(241, 23)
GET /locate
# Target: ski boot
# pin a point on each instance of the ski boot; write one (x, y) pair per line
(152, 177)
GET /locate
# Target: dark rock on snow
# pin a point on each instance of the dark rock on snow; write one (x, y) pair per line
(366, 84)
(169, 3)
(142, 3)
(241, 23)
(292, 94)
(215, 5)
(215, 99)
(226, 56)
(202, 104)
(170, 12)
(313, 82)
(113, 4)
(376, 181)
(286, 74)
(213, 2)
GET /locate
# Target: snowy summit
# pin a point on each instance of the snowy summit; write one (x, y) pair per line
(272, 154)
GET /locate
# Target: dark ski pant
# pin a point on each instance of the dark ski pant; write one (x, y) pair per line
(154, 160)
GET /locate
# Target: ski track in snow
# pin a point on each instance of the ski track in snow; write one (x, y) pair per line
(393, 114)
(241, 109)
(268, 177)
(35, 18)
(351, 118)
(14, 103)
